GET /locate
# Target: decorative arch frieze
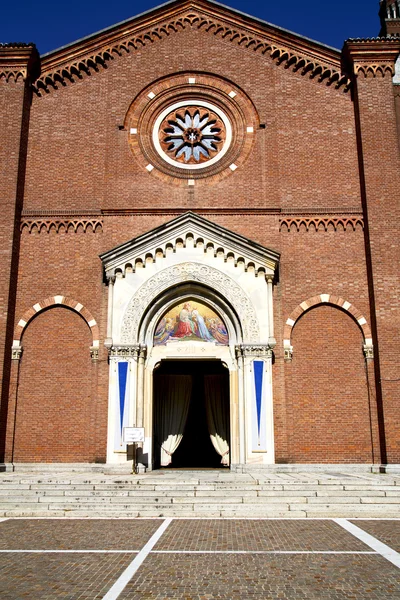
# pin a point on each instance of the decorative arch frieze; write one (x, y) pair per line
(69, 66)
(46, 304)
(18, 62)
(333, 301)
(374, 70)
(184, 273)
(297, 224)
(371, 57)
(46, 225)
(10, 74)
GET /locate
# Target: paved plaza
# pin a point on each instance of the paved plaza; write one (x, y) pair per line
(199, 559)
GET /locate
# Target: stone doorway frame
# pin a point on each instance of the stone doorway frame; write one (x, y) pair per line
(191, 351)
(233, 401)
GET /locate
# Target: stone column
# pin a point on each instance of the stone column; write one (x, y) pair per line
(140, 387)
(110, 311)
(140, 403)
(271, 339)
(241, 405)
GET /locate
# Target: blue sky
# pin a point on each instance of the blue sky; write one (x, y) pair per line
(52, 23)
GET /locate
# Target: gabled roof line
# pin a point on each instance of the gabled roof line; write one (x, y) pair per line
(284, 47)
(162, 234)
(170, 3)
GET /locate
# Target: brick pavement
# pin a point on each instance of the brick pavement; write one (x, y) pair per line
(387, 532)
(248, 535)
(238, 577)
(195, 559)
(59, 576)
(56, 534)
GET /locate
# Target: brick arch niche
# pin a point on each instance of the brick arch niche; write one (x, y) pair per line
(53, 301)
(330, 409)
(57, 416)
(327, 299)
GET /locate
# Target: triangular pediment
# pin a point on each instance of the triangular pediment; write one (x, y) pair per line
(285, 47)
(190, 233)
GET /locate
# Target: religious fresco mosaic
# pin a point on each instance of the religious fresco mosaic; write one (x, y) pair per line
(191, 321)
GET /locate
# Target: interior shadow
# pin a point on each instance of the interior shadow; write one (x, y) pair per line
(196, 449)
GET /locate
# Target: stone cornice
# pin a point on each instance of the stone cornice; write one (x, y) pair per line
(371, 57)
(19, 61)
(285, 48)
(214, 238)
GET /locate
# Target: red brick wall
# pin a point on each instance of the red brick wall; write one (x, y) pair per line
(57, 412)
(382, 208)
(327, 391)
(13, 121)
(298, 160)
(304, 160)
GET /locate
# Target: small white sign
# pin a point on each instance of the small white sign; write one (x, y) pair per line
(133, 435)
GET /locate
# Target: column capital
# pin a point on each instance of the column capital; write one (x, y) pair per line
(94, 353)
(125, 351)
(16, 352)
(254, 350)
(368, 351)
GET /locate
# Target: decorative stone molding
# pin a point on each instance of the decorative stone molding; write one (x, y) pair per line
(332, 300)
(254, 350)
(132, 351)
(58, 301)
(288, 50)
(94, 353)
(290, 224)
(16, 351)
(371, 57)
(186, 272)
(368, 350)
(18, 62)
(190, 230)
(166, 102)
(57, 225)
(288, 351)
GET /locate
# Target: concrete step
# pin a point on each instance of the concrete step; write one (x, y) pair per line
(199, 496)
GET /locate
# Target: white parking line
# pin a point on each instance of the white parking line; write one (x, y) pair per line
(129, 572)
(261, 552)
(6, 519)
(382, 549)
(187, 552)
(69, 551)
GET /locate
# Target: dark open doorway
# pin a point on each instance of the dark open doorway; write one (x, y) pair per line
(196, 449)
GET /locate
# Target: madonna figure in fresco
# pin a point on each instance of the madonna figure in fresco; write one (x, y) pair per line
(202, 330)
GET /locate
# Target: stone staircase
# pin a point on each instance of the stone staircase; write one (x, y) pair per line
(200, 494)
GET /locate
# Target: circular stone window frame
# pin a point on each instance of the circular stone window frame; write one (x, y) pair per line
(184, 104)
(160, 98)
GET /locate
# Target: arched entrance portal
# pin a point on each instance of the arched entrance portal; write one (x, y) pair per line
(191, 290)
(191, 416)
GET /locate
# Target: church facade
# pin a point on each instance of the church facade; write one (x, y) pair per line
(200, 230)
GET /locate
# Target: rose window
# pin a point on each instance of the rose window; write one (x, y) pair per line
(192, 134)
